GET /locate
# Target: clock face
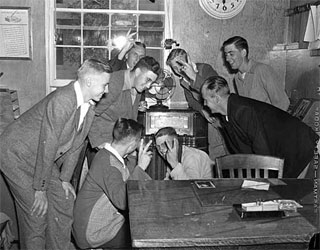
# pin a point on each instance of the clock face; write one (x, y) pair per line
(222, 9)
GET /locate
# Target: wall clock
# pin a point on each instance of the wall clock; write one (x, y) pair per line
(222, 9)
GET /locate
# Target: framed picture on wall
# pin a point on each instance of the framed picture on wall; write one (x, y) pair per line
(15, 33)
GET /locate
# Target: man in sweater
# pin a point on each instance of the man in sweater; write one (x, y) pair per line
(253, 79)
(101, 211)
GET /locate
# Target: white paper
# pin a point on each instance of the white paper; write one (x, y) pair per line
(255, 185)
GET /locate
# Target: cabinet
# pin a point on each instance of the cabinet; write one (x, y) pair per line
(191, 127)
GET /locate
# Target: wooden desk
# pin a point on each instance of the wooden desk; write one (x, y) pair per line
(170, 214)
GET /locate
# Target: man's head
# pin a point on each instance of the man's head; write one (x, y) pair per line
(163, 137)
(137, 52)
(127, 132)
(146, 71)
(93, 77)
(214, 91)
(236, 51)
(174, 58)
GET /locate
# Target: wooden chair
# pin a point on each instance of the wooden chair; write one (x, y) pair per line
(249, 166)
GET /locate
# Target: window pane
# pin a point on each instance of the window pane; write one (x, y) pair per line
(68, 28)
(124, 20)
(68, 61)
(156, 54)
(124, 4)
(95, 31)
(68, 4)
(151, 39)
(151, 29)
(96, 4)
(158, 5)
(99, 54)
(118, 36)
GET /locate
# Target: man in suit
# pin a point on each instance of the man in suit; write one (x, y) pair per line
(123, 99)
(129, 55)
(254, 127)
(39, 152)
(192, 75)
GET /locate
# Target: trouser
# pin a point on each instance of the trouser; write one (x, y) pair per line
(122, 240)
(53, 230)
(216, 143)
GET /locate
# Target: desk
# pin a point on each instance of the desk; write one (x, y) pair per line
(169, 214)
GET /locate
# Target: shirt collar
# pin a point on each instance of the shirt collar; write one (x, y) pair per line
(79, 95)
(108, 147)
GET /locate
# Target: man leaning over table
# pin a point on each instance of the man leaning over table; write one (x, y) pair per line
(184, 162)
(253, 127)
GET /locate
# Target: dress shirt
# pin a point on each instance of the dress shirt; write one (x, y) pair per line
(84, 106)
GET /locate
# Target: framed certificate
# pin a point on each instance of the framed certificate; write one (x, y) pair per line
(15, 33)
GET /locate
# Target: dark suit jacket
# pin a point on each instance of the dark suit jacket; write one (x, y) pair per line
(193, 92)
(45, 139)
(256, 127)
(117, 64)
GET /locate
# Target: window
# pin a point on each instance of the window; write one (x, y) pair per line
(82, 29)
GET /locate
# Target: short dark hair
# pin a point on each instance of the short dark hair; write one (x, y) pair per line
(218, 84)
(174, 53)
(93, 65)
(148, 63)
(239, 42)
(166, 131)
(126, 128)
(138, 44)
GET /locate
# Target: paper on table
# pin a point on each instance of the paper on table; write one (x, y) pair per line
(258, 185)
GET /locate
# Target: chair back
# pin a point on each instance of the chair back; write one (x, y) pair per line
(249, 166)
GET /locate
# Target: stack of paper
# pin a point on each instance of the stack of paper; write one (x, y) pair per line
(261, 206)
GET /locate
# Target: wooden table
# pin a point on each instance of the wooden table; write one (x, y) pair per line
(176, 214)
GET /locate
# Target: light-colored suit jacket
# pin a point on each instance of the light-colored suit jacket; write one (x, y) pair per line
(44, 140)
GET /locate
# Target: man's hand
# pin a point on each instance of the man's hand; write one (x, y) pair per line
(172, 153)
(187, 68)
(40, 204)
(68, 188)
(128, 45)
(214, 121)
(144, 156)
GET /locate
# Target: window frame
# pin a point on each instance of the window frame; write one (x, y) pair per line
(52, 81)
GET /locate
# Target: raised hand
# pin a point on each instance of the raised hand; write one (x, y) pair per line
(188, 69)
(172, 153)
(145, 155)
